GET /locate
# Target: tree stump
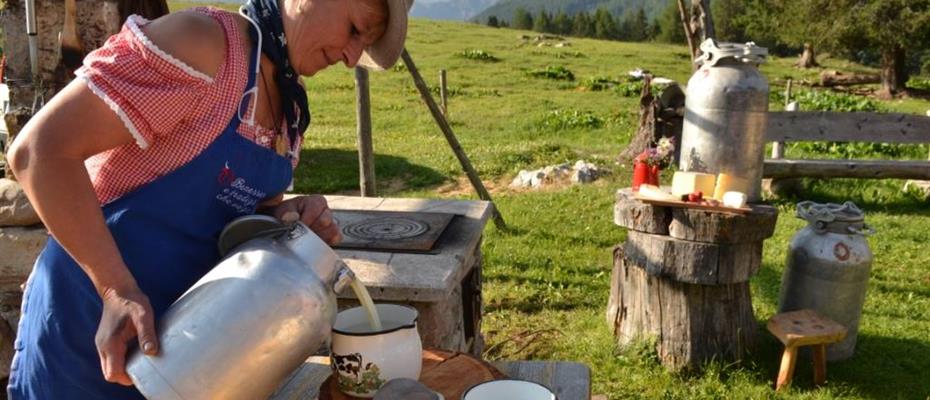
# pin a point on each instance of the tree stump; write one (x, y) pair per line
(682, 277)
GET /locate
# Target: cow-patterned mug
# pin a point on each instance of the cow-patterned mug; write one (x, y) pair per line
(364, 359)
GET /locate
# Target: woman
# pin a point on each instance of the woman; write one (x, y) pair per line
(172, 129)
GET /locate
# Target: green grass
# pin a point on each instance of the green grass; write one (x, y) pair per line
(546, 282)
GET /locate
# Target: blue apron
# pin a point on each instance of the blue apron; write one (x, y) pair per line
(166, 232)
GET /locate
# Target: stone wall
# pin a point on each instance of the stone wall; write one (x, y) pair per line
(97, 20)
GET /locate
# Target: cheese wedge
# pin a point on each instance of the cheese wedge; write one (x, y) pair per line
(684, 183)
(656, 193)
(730, 183)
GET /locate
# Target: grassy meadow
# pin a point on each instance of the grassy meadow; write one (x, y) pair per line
(546, 281)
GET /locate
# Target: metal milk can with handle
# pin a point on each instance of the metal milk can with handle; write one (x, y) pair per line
(726, 111)
(828, 268)
(251, 321)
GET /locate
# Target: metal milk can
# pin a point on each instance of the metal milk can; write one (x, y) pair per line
(828, 268)
(726, 110)
(251, 321)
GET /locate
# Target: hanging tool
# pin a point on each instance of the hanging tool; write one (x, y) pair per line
(72, 50)
(32, 33)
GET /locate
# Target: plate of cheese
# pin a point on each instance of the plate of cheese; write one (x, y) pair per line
(723, 192)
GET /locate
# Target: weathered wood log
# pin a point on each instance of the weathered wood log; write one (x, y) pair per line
(836, 78)
(636, 215)
(646, 132)
(863, 169)
(808, 58)
(693, 262)
(833, 126)
(723, 228)
(691, 323)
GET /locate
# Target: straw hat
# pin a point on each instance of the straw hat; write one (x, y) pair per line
(384, 53)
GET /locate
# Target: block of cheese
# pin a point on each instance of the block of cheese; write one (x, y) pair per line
(684, 183)
(734, 199)
(730, 183)
(655, 193)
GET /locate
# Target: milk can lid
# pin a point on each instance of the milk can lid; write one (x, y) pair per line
(712, 52)
(245, 228)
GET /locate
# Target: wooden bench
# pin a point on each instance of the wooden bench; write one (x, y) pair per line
(845, 127)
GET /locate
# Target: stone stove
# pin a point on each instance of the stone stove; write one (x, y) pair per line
(442, 282)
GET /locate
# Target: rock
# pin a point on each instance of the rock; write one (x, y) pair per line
(19, 246)
(662, 81)
(15, 209)
(7, 336)
(584, 172)
(919, 188)
(581, 172)
(563, 44)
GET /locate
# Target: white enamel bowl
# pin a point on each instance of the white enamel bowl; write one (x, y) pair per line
(508, 389)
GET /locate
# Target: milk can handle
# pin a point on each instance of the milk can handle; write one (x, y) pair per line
(811, 211)
(866, 230)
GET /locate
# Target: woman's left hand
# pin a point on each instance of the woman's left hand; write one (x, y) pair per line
(314, 212)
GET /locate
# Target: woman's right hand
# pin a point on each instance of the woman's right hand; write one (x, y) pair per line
(127, 314)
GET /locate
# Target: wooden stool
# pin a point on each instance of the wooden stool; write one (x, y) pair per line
(804, 328)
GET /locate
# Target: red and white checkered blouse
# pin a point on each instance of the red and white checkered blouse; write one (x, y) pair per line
(172, 110)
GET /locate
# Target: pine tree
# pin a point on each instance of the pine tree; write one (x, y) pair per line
(562, 23)
(635, 26)
(605, 27)
(543, 22)
(582, 26)
(522, 19)
(493, 22)
(669, 25)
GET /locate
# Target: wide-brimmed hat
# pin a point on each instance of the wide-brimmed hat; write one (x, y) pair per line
(384, 53)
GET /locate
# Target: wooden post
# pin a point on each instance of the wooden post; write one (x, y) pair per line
(450, 137)
(688, 33)
(778, 148)
(366, 156)
(443, 93)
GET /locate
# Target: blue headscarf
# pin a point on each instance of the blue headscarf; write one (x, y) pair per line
(267, 15)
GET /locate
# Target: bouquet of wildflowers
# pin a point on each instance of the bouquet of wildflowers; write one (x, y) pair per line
(660, 155)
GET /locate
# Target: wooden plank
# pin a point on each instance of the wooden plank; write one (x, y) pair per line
(568, 380)
(449, 373)
(847, 127)
(805, 327)
(696, 206)
(863, 169)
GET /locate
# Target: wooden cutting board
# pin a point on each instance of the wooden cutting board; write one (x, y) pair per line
(449, 373)
(697, 206)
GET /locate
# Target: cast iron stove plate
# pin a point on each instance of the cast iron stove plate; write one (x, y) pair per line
(390, 230)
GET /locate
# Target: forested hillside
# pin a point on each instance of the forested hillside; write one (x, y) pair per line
(504, 9)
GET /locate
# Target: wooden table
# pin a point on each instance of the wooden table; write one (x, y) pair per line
(569, 380)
